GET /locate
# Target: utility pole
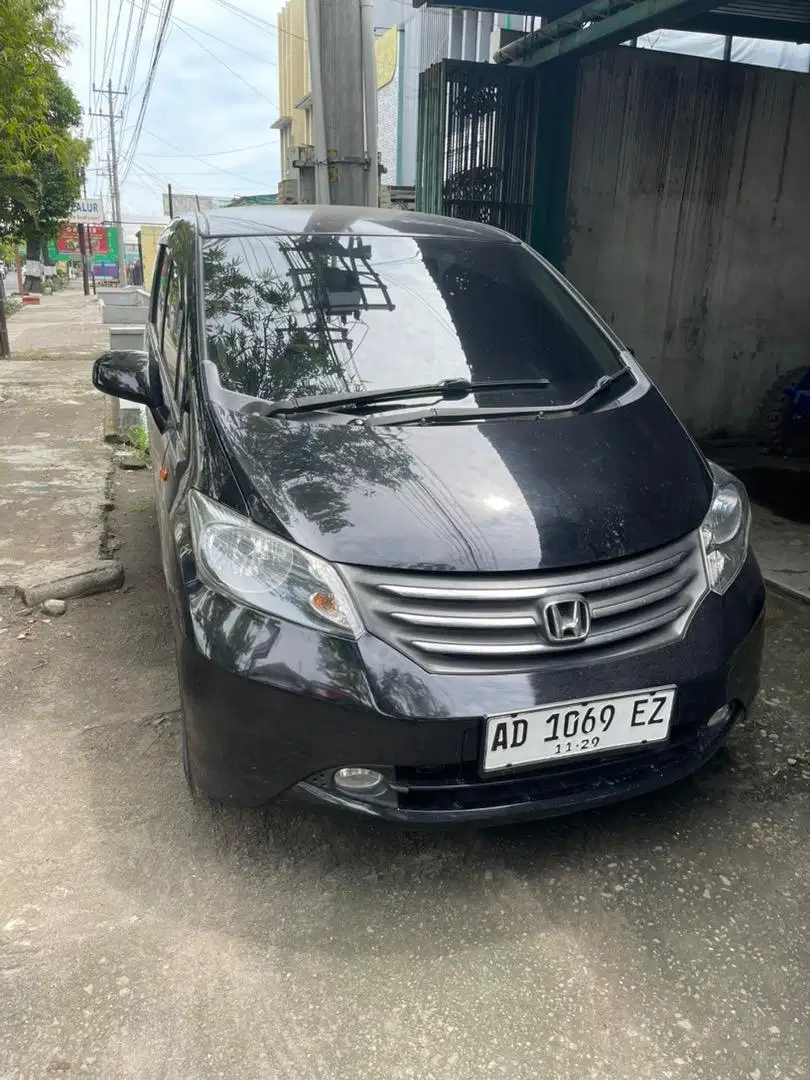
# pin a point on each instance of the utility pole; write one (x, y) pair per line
(340, 67)
(92, 269)
(114, 188)
(171, 201)
(89, 242)
(83, 252)
(5, 348)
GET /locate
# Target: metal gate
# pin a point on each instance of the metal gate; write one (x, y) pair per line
(477, 142)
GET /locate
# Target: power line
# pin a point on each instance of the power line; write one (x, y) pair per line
(109, 58)
(257, 21)
(126, 45)
(222, 41)
(181, 24)
(228, 172)
(215, 37)
(215, 153)
(106, 33)
(236, 74)
(92, 58)
(133, 61)
(160, 38)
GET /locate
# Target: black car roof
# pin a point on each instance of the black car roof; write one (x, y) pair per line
(360, 220)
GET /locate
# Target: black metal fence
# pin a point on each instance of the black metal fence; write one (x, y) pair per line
(477, 143)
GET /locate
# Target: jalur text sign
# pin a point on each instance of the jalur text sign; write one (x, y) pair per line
(86, 211)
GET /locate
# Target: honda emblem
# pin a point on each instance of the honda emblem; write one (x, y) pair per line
(566, 619)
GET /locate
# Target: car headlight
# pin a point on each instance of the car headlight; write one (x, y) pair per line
(724, 532)
(256, 568)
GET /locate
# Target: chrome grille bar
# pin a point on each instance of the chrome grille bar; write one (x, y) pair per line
(492, 622)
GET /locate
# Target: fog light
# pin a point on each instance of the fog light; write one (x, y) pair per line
(720, 717)
(359, 781)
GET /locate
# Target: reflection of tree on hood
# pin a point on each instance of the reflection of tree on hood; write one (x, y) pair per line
(262, 343)
(316, 465)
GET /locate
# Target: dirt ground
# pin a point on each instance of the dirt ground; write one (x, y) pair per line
(142, 936)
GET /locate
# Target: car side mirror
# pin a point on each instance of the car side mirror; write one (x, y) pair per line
(128, 374)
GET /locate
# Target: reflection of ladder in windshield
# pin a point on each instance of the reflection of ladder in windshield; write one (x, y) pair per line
(334, 279)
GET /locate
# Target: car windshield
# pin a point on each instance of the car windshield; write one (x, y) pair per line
(292, 316)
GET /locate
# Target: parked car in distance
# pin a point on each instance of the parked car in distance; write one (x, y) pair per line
(437, 549)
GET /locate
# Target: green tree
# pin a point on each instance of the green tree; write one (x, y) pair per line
(41, 158)
(265, 346)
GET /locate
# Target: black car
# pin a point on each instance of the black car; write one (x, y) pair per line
(437, 549)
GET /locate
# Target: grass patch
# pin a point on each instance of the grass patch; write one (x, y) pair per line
(13, 303)
(138, 438)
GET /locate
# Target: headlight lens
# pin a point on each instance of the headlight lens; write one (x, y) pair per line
(724, 532)
(253, 566)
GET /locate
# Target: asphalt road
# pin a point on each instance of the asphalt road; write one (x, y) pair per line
(144, 937)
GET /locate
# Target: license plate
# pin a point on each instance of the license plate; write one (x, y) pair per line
(571, 729)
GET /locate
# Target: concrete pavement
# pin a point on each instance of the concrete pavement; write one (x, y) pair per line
(53, 463)
(143, 937)
(783, 550)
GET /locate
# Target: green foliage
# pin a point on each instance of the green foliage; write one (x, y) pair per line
(264, 347)
(40, 157)
(138, 439)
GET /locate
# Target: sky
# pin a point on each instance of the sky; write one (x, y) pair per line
(207, 125)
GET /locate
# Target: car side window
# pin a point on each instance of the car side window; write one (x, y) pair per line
(159, 304)
(172, 323)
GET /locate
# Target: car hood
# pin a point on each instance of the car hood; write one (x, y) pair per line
(506, 495)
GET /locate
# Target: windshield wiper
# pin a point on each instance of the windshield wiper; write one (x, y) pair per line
(432, 415)
(447, 388)
(598, 388)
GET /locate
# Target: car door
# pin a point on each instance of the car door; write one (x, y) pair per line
(169, 345)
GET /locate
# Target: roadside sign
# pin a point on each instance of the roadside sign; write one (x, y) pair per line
(86, 211)
(65, 246)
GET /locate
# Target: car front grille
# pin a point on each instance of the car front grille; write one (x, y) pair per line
(491, 622)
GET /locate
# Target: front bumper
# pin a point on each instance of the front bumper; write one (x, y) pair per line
(285, 708)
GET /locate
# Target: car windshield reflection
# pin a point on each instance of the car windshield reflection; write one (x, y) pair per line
(297, 316)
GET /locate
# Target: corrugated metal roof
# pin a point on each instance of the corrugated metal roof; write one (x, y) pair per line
(780, 20)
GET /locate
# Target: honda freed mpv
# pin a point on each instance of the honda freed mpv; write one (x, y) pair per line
(436, 547)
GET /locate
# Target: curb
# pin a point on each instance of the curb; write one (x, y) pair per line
(112, 408)
(101, 575)
(786, 591)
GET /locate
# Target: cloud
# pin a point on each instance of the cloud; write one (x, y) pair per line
(207, 128)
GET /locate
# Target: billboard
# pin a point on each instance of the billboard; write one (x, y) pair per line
(67, 241)
(65, 248)
(86, 212)
(187, 204)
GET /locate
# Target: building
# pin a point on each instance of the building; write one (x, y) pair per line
(408, 41)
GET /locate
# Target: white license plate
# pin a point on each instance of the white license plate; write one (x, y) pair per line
(575, 728)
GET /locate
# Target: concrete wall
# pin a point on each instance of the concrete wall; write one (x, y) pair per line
(688, 222)
(388, 123)
(426, 41)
